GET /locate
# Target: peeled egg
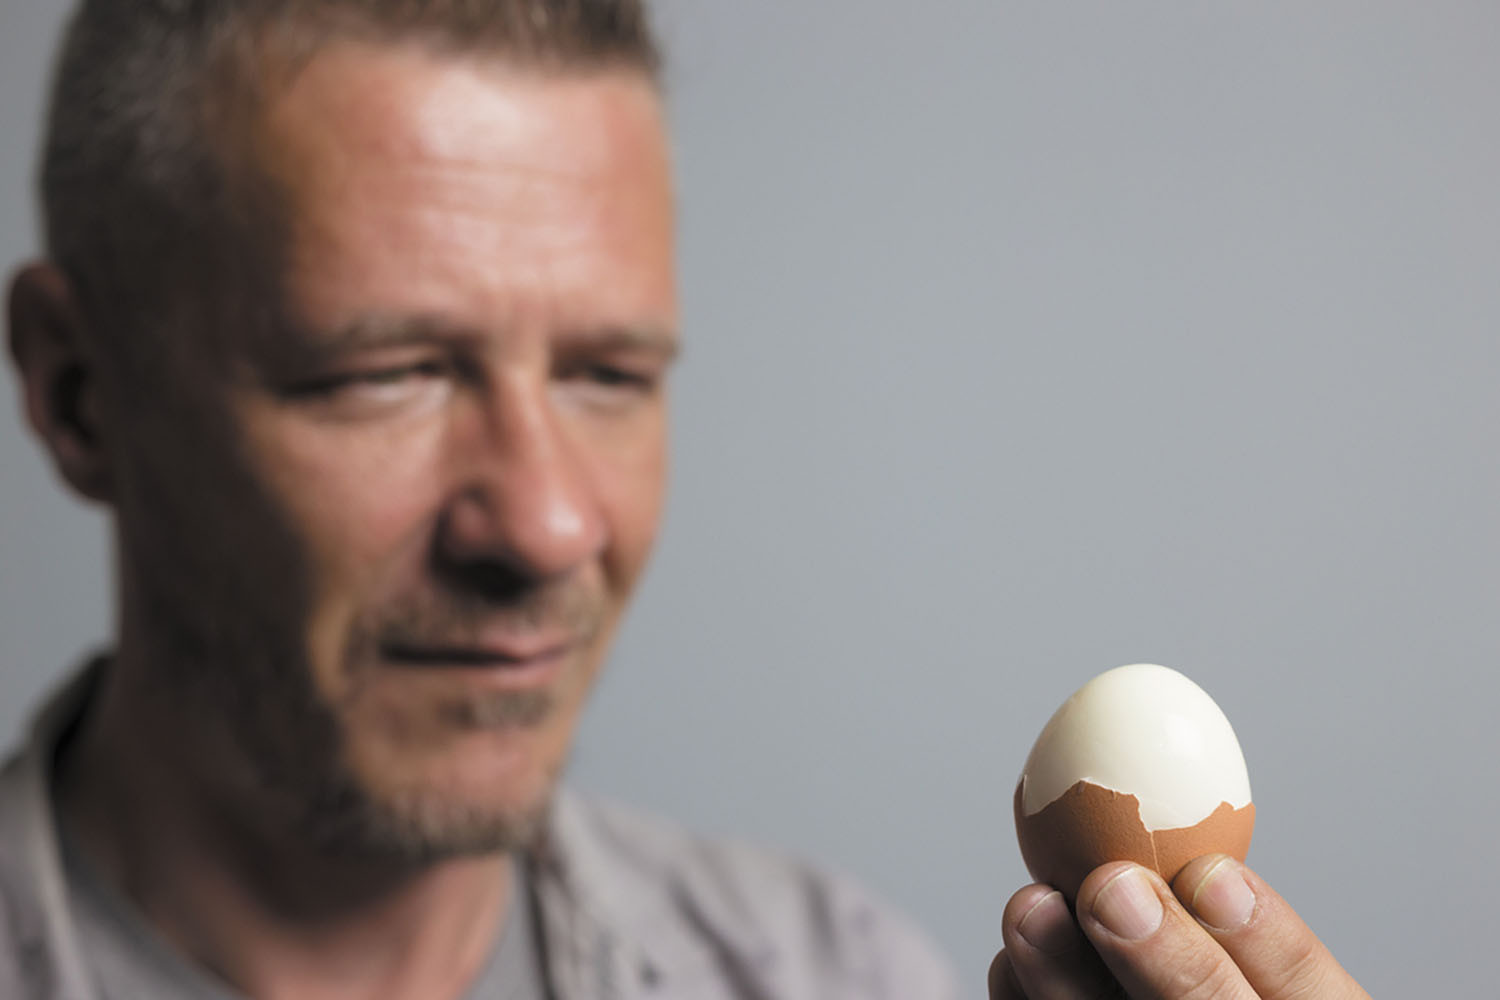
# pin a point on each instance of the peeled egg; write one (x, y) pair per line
(1138, 765)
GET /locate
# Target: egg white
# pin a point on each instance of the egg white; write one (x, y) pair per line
(1142, 730)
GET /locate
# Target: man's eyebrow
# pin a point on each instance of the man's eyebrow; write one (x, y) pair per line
(658, 340)
(373, 331)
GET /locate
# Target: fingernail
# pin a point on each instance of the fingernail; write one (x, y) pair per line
(1048, 926)
(1223, 899)
(1129, 906)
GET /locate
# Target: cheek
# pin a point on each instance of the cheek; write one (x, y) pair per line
(631, 483)
(360, 503)
(197, 516)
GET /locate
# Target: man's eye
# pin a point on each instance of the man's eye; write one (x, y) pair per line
(401, 373)
(605, 386)
(387, 390)
(387, 376)
(371, 378)
(616, 377)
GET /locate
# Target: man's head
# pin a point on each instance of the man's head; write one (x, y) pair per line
(363, 339)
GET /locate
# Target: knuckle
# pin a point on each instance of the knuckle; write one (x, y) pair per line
(1305, 976)
(1206, 979)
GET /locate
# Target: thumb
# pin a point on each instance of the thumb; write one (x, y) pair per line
(1277, 953)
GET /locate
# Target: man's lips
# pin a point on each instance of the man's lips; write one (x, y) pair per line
(507, 653)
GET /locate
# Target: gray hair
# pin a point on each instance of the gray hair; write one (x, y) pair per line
(141, 201)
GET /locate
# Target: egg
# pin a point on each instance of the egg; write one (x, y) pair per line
(1138, 765)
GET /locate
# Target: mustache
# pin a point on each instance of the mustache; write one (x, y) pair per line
(451, 618)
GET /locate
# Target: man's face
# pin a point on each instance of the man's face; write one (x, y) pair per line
(404, 522)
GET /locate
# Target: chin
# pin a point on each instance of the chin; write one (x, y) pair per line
(486, 792)
(419, 825)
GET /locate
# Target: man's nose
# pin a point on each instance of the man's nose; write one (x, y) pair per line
(525, 503)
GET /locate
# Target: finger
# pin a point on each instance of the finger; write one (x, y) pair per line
(1003, 985)
(1047, 954)
(1278, 954)
(1151, 945)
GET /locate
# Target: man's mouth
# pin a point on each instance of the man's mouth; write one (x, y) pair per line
(502, 653)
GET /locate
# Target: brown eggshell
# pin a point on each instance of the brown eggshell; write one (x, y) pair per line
(1089, 825)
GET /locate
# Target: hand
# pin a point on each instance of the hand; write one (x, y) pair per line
(1231, 937)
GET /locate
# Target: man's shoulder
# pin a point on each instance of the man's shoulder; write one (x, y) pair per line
(22, 952)
(39, 954)
(808, 930)
(17, 838)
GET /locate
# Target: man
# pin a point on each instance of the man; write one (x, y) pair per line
(358, 314)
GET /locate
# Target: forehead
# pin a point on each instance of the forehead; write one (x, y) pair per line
(407, 98)
(400, 168)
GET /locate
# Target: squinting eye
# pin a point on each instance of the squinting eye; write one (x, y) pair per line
(602, 375)
(374, 378)
(374, 392)
(609, 375)
(607, 387)
(393, 376)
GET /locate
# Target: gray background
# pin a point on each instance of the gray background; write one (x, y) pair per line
(1027, 340)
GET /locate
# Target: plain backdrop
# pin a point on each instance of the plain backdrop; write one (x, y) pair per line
(1026, 340)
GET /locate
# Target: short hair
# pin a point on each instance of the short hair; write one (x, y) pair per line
(138, 201)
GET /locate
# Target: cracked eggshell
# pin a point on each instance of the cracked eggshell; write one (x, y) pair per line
(1138, 765)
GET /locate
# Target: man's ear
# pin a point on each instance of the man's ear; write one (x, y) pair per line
(60, 377)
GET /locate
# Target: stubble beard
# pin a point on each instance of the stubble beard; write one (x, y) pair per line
(288, 748)
(341, 812)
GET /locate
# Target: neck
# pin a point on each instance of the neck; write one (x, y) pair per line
(268, 915)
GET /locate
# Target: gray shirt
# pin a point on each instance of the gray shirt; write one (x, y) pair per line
(127, 960)
(627, 908)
